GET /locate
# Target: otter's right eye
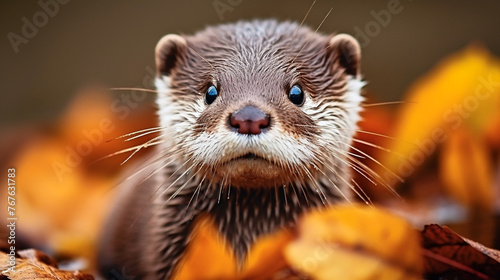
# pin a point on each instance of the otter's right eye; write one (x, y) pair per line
(211, 95)
(296, 95)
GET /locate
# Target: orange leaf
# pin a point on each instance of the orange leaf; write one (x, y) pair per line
(466, 170)
(356, 242)
(209, 257)
(62, 193)
(462, 90)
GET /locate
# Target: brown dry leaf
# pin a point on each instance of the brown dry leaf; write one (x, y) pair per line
(492, 253)
(466, 170)
(356, 242)
(209, 257)
(449, 256)
(35, 265)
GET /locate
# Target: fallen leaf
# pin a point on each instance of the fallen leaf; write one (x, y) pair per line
(35, 265)
(356, 242)
(461, 93)
(209, 257)
(492, 253)
(449, 256)
(466, 170)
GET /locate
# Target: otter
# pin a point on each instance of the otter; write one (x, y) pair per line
(256, 120)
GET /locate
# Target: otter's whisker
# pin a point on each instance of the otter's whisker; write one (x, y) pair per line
(302, 189)
(195, 194)
(381, 135)
(342, 178)
(150, 161)
(149, 143)
(142, 135)
(126, 150)
(182, 186)
(301, 23)
(317, 188)
(158, 128)
(387, 103)
(355, 168)
(366, 198)
(135, 89)
(334, 171)
(154, 195)
(376, 176)
(173, 183)
(377, 162)
(377, 147)
(229, 189)
(168, 160)
(316, 31)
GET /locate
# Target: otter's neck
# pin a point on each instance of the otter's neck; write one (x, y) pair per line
(242, 215)
(247, 214)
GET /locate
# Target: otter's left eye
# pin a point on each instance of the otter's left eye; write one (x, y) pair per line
(210, 95)
(296, 95)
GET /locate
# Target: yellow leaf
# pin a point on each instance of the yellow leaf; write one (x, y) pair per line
(463, 90)
(356, 242)
(466, 170)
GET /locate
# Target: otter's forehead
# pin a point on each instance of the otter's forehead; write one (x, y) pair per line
(257, 36)
(257, 54)
(256, 45)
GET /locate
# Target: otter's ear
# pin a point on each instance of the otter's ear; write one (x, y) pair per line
(347, 51)
(167, 52)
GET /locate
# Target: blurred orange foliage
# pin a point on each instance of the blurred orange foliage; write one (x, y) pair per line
(63, 192)
(455, 108)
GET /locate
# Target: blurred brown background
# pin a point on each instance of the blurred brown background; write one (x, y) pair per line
(111, 42)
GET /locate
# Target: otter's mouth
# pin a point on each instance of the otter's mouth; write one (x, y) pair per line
(250, 170)
(248, 156)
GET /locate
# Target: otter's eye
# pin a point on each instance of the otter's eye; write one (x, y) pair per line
(211, 95)
(296, 95)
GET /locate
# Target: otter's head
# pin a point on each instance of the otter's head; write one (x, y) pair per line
(259, 104)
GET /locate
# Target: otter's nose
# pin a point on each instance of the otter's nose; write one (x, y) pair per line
(249, 120)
